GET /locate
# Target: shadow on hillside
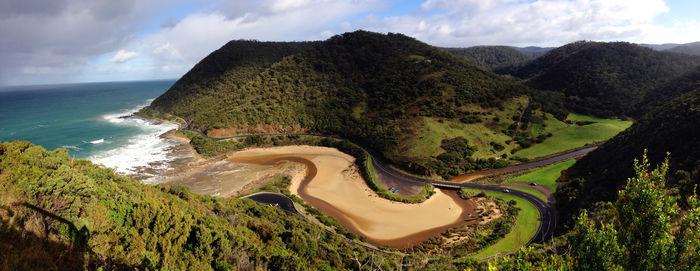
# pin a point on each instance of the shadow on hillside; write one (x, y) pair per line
(21, 249)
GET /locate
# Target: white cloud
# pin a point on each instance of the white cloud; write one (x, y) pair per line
(70, 40)
(520, 23)
(122, 56)
(196, 35)
(283, 5)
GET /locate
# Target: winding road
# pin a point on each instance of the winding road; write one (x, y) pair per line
(547, 210)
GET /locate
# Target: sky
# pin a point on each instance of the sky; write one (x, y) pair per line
(70, 41)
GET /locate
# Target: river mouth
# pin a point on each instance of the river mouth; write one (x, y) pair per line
(332, 184)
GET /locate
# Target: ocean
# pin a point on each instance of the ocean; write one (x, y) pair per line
(92, 121)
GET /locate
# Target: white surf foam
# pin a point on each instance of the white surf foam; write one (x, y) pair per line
(101, 140)
(123, 116)
(71, 147)
(143, 150)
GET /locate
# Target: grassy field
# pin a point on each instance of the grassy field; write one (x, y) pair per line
(546, 176)
(576, 136)
(524, 229)
(425, 142)
(532, 191)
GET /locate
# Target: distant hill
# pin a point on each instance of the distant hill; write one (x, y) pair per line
(534, 51)
(604, 79)
(659, 47)
(491, 57)
(672, 127)
(386, 91)
(688, 48)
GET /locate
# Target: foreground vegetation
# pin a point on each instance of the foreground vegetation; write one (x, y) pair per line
(105, 220)
(53, 205)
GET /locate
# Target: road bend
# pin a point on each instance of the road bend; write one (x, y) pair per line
(547, 210)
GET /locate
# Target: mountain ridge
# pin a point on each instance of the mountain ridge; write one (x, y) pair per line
(603, 79)
(365, 86)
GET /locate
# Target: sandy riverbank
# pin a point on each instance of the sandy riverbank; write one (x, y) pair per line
(333, 185)
(219, 177)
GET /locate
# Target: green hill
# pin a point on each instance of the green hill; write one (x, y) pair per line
(385, 91)
(491, 57)
(672, 127)
(604, 79)
(237, 61)
(688, 48)
(685, 83)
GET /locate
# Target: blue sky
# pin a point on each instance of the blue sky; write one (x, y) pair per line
(65, 41)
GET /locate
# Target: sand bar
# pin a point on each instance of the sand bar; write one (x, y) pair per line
(333, 185)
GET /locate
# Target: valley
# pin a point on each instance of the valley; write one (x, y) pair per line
(371, 151)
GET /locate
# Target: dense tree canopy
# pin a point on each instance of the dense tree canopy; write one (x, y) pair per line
(491, 57)
(604, 79)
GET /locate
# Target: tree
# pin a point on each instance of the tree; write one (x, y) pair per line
(643, 237)
(594, 249)
(646, 209)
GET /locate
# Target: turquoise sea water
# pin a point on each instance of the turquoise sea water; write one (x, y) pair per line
(88, 119)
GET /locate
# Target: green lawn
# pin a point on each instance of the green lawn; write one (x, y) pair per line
(524, 229)
(546, 176)
(576, 136)
(532, 191)
(425, 142)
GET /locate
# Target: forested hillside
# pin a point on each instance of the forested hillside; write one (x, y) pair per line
(672, 127)
(688, 48)
(685, 83)
(604, 79)
(491, 57)
(373, 88)
(237, 61)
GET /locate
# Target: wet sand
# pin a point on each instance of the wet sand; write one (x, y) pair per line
(221, 178)
(333, 185)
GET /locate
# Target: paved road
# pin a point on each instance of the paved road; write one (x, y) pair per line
(274, 199)
(514, 168)
(547, 210)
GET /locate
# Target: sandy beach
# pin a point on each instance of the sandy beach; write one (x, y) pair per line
(333, 185)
